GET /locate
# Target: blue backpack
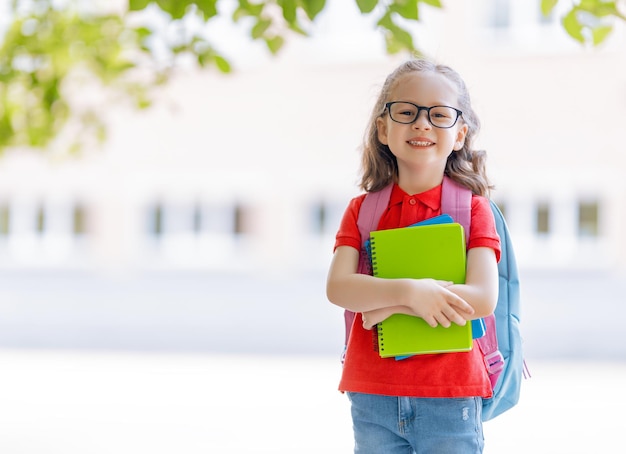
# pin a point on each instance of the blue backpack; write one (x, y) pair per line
(501, 345)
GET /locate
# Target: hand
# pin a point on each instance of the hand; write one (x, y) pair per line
(432, 301)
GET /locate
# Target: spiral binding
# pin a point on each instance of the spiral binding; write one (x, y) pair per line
(372, 254)
(378, 336)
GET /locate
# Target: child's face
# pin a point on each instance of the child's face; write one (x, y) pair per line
(420, 145)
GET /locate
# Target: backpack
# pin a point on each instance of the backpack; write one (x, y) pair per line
(501, 345)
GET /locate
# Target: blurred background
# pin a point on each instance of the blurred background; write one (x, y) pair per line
(162, 288)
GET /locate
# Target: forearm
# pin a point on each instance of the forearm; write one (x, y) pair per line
(425, 298)
(371, 318)
(483, 301)
(481, 284)
(358, 292)
(363, 293)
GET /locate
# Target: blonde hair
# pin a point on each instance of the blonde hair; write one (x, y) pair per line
(466, 166)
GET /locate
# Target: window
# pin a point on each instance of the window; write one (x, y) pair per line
(40, 220)
(588, 219)
(318, 218)
(240, 216)
(543, 218)
(323, 217)
(500, 12)
(79, 220)
(217, 218)
(197, 218)
(155, 221)
(5, 219)
(543, 19)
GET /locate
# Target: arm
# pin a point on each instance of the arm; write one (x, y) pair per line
(481, 282)
(425, 298)
(480, 289)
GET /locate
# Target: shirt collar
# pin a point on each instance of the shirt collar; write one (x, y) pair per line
(431, 198)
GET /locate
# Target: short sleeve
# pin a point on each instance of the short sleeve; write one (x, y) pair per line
(483, 231)
(348, 234)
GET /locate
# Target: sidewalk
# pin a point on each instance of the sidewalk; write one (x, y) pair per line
(131, 403)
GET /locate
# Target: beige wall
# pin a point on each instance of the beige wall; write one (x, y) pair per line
(298, 120)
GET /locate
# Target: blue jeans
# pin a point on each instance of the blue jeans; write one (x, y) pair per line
(410, 425)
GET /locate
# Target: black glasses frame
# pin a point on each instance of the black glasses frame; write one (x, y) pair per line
(419, 110)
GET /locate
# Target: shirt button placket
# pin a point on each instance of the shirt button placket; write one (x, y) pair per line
(409, 211)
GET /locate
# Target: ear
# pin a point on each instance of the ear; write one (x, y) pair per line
(381, 128)
(460, 137)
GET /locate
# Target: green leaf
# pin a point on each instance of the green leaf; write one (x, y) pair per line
(138, 5)
(296, 28)
(366, 6)
(260, 28)
(392, 45)
(176, 8)
(396, 37)
(239, 13)
(572, 26)
(222, 64)
(599, 8)
(547, 6)
(599, 34)
(403, 37)
(386, 21)
(274, 44)
(605, 9)
(208, 8)
(435, 3)
(408, 10)
(313, 7)
(205, 56)
(289, 10)
(143, 32)
(247, 10)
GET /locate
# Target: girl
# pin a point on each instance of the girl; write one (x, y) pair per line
(421, 129)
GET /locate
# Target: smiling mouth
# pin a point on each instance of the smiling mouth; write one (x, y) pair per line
(420, 143)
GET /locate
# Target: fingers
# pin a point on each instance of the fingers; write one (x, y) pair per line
(432, 321)
(458, 304)
(453, 310)
(449, 317)
(445, 284)
(445, 319)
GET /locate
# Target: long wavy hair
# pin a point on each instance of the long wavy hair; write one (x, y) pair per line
(466, 166)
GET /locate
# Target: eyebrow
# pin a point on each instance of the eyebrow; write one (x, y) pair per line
(439, 103)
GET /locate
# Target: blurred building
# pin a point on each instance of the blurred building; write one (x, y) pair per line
(252, 171)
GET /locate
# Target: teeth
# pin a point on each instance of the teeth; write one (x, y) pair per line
(420, 144)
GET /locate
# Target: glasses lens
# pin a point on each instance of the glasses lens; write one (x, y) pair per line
(443, 117)
(403, 112)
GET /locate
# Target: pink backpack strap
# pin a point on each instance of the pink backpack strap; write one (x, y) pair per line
(456, 200)
(488, 344)
(373, 206)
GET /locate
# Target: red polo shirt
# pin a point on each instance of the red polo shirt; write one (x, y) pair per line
(441, 375)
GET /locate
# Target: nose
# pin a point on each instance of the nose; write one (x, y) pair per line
(422, 122)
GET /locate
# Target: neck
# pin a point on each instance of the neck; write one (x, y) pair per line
(416, 182)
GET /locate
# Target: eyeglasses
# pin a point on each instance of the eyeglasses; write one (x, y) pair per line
(438, 116)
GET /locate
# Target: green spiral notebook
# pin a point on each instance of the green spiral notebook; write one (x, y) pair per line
(428, 251)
